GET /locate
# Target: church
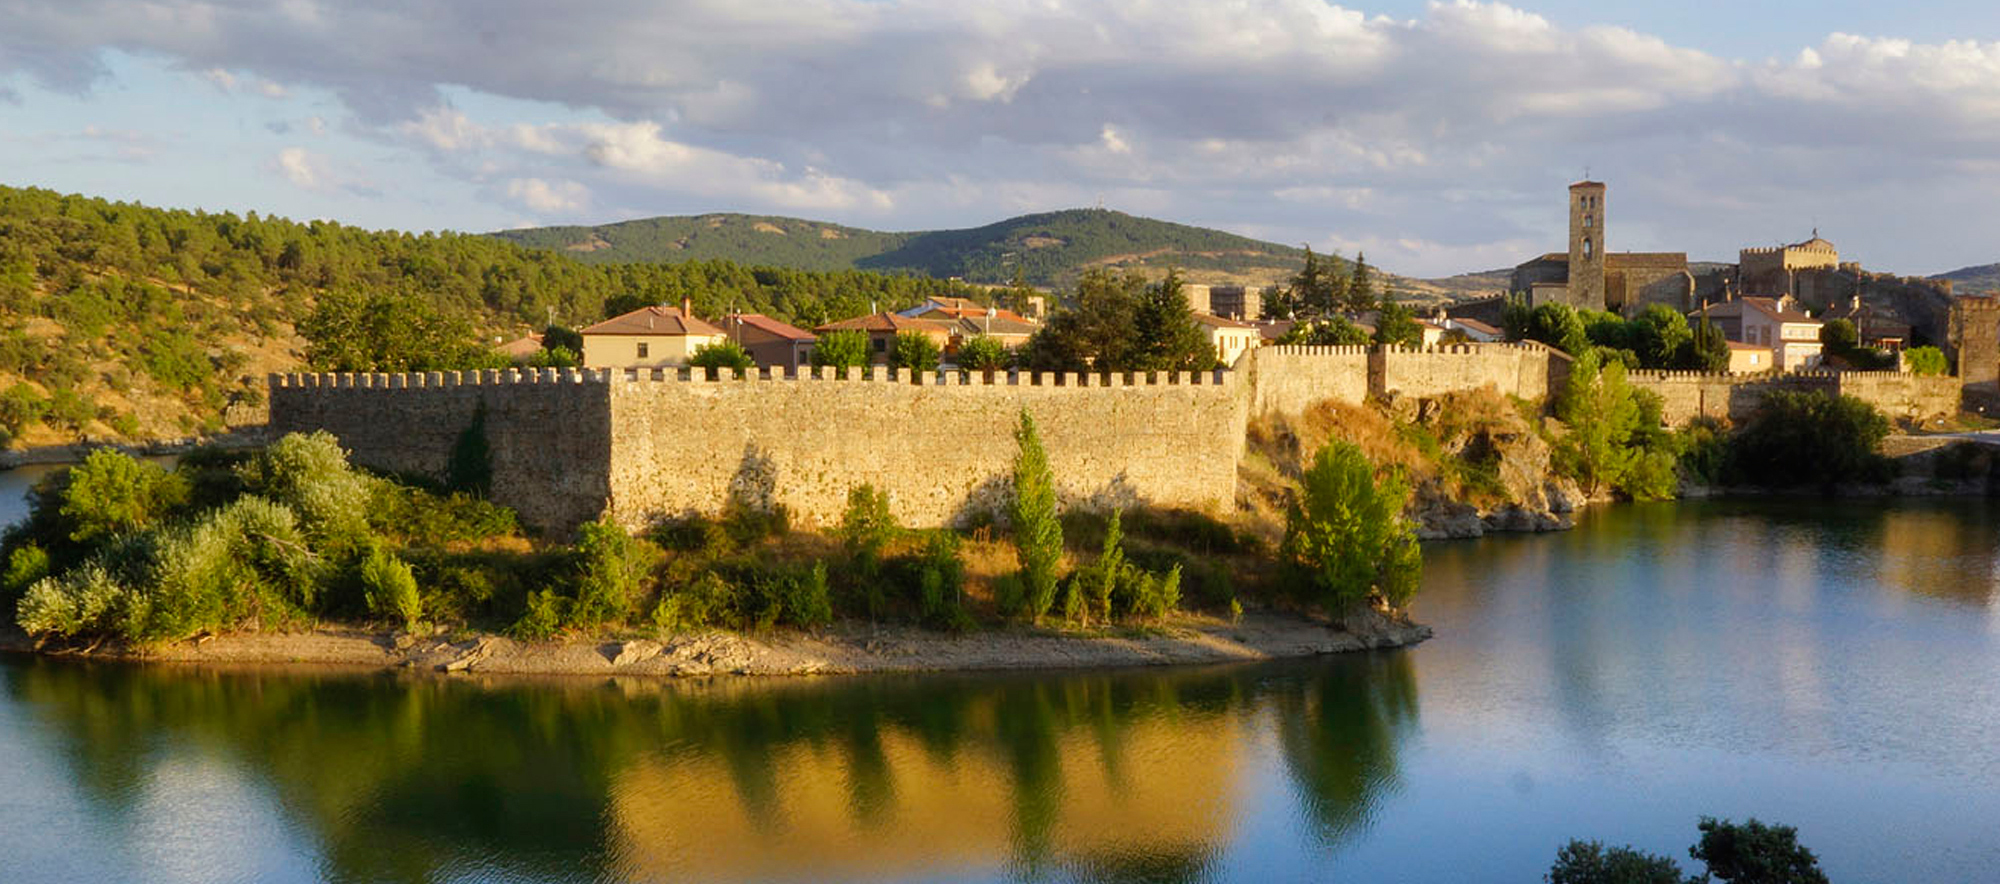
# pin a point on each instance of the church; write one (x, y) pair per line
(1591, 277)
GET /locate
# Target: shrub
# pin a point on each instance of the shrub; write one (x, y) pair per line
(1809, 438)
(26, 564)
(1925, 361)
(808, 601)
(722, 355)
(841, 349)
(85, 600)
(112, 492)
(915, 351)
(1037, 531)
(391, 587)
(610, 568)
(265, 538)
(309, 473)
(1345, 535)
(20, 408)
(940, 581)
(1102, 578)
(706, 602)
(542, 617)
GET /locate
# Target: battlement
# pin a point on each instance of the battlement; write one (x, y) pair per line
(873, 374)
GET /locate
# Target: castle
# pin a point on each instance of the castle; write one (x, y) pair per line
(565, 446)
(1590, 277)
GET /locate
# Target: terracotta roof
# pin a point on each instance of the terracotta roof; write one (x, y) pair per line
(1475, 325)
(1766, 306)
(521, 348)
(1219, 322)
(885, 322)
(653, 321)
(772, 326)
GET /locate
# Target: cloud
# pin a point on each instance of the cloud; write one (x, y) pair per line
(313, 172)
(549, 197)
(1447, 136)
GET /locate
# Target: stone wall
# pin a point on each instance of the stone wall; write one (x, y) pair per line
(1735, 397)
(942, 452)
(1974, 338)
(1529, 370)
(548, 430)
(568, 446)
(1289, 380)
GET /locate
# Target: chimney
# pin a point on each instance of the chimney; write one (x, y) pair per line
(687, 307)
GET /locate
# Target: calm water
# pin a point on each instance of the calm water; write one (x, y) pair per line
(1834, 667)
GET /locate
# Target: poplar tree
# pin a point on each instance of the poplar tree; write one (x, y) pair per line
(1037, 532)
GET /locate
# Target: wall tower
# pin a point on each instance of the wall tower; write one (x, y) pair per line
(1586, 244)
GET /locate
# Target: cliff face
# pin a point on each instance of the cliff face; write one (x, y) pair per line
(1475, 461)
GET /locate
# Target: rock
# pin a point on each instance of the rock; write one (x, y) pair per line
(636, 651)
(1562, 495)
(473, 655)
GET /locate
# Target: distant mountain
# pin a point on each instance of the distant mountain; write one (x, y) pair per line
(1050, 248)
(1974, 280)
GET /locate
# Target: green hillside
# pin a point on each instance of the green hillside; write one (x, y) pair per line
(1978, 280)
(122, 322)
(1050, 249)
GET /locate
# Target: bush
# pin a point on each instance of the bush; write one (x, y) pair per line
(542, 617)
(706, 602)
(722, 355)
(841, 349)
(85, 600)
(915, 351)
(20, 408)
(1925, 361)
(112, 492)
(1810, 438)
(26, 564)
(309, 473)
(1037, 531)
(610, 568)
(1615, 438)
(391, 588)
(1345, 535)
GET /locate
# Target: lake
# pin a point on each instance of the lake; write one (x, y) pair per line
(1834, 666)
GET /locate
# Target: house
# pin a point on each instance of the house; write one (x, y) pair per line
(1876, 326)
(1433, 333)
(882, 329)
(1231, 339)
(520, 350)
(1776, 323)
(1474, 330)
(772, 343)
(1274, 330)
(649, 337)
(1749, 358)
(1009, 330)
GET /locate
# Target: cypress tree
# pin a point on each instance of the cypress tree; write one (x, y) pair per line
(1037, 532)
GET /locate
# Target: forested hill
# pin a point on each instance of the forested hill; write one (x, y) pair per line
(1978, 280)
(1049, 249)
(119, 321)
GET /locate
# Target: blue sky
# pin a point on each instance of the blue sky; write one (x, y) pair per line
(1437, 137)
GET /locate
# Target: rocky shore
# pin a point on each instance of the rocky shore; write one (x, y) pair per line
(845, 648)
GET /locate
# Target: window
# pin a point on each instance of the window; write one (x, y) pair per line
(642, 349)
(881, 345)
(1588, 249)
(1586, 221)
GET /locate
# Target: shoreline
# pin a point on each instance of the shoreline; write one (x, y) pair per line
(847, 648)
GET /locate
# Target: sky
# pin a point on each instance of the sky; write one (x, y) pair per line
(1436, 137)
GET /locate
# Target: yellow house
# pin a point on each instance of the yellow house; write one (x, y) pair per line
(1749, 358)
(1231, 339)
(649, 337)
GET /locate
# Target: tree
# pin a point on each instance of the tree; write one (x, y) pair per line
(1396, 325)
(1317, 289)
(915, 351)
(1808, 438)
(1097, 333)
(559, 337)
(983, 353)
(1166, 337)
(1037, 531)
(1659, 334)
(1614, 437)
(1590, 862)
(722, 356)
(1708, 349)
(310, 474)
(1839, 336)
(1517, 319)
(1360, 289)
(390, 330)
(1754, 853)
(841, 349)
(1345, 534)
(1333, 331)
(1558, 326)
(610, 566)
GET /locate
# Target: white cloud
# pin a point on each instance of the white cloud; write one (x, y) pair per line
(549, 197)
(314, 172)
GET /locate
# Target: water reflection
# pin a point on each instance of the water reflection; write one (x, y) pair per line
(1103, 777)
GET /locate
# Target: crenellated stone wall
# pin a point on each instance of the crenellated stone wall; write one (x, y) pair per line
(1685, 395)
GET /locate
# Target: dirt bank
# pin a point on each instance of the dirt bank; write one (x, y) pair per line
(843, 649)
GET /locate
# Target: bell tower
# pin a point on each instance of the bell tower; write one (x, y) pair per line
(1586, 245)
